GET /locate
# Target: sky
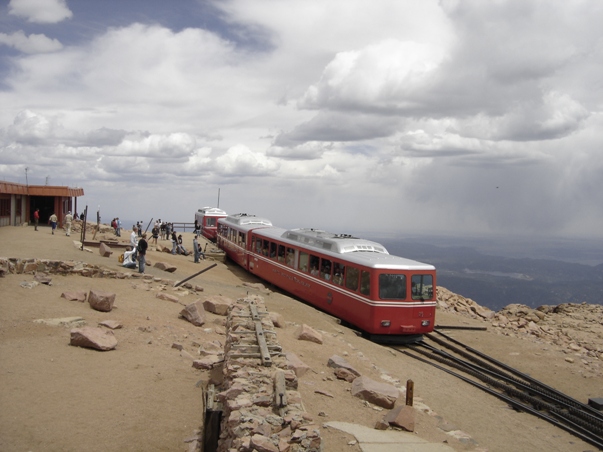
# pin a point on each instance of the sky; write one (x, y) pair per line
(392, 116)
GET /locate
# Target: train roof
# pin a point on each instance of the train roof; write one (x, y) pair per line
(344, 247)
(243, 219)
(212, 211)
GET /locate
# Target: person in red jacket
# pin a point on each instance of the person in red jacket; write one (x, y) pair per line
(37, 218)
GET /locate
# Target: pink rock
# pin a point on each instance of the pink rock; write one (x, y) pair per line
(263, 444)
(112, 324)
(167, 297)
(306, 333)
(277, 319)
(91, 337)
(380, 394)
(296, 364)
(101, 301)
(104, 250)
(337, 362)
(403, 417)
(194, 313)
(165, 266)
(74, 296)
(218, 304)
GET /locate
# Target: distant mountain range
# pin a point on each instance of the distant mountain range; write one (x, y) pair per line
(496, 281)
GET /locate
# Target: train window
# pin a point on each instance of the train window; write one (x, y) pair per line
(290, 257)
(325, 269)
(338, 273)
(241, 239)
(257, 245)
(273, 250)
(351, 278)
(314, 261)
(392, 286)
(421, 287)
(281, 253)
(265, 246)
(303, 261)
(210, 221)
(365, 283)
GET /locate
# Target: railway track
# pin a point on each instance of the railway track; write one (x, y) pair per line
(519, 390)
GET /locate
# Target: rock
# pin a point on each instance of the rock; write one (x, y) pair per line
(218, 304)
(74, 296)
(296, 364)
(177, 346)
(207, 363)
(345, 374)
(104, 250)
(101, 301)
(71, 322)
(43, 279)
(336, 362)
(380, 394)
(165, 266)
(306, 333)
(194, 313)
(111, 324)
(211, 348)
(29, 284)
(277, 320)
(263, 444)
(167, 297)
(95, 338)
(403, 417)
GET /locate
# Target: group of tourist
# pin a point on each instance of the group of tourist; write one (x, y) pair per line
(139, 244)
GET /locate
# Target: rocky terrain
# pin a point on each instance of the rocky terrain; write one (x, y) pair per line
(577, 329)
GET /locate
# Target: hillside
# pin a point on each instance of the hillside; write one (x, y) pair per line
(145, 395)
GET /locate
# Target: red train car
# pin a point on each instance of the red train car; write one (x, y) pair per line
(390, 298)
(208, 221)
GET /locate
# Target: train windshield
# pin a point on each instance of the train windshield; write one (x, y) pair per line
(422, 287)
(392, 286)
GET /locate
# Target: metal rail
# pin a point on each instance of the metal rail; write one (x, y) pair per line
(516, 388)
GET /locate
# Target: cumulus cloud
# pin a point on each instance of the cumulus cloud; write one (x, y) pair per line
(171, 146)
(40, 11)
(240, 161)
(390, 76)
(34, 43)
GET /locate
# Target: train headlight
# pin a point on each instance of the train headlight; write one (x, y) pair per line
(385, 323)
(425, 323)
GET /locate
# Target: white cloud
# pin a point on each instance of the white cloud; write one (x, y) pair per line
(34, 43)
(390, 76)
(240, 161)
(40, 11)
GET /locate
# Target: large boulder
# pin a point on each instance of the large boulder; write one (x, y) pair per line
(101, 301)
(165, 267)
(380, 394)
(306, 333)
(104, 250)
(218, 304)
(194, 313)
(96, 338)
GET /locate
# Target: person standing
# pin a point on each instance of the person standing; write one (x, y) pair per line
(68, 220)
(118, 227)
(53, 222)
(134, 242)
(37, 218)
(155, 233)
(142, 251)
(196, 250)
(174, 243)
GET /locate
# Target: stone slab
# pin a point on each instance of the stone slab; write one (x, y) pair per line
(371, 440)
